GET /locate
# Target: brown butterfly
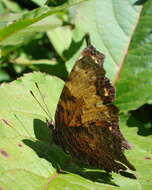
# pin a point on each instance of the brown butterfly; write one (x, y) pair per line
(86, 121)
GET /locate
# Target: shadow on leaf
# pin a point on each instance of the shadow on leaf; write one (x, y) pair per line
(60, 160)
(92, 174)
(127, 174)
(73, 49)
(141, 118)
(63, 163)
(59, 69)
(55, 3)
(140, 2)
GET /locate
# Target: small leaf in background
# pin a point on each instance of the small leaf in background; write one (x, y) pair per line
(39, 2)
(30, 18)
(59, 42)
(11, 5)
(28, 33)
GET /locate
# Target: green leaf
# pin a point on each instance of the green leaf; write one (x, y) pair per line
(59, 42)
(24, 61)
(141, 153)
(7, 18)
(134, 87)
(111, 25)
(19, 129)
(11, 6)
(25, 35)
(2, 8)
(39, 2)
(26, 156)
(30, 18)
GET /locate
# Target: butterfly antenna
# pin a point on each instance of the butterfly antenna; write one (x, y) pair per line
(49, 113)
(40, 104)
(87, 39)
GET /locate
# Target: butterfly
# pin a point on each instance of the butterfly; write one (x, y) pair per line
(86, 120)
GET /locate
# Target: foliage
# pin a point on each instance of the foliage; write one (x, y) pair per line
(44, 38)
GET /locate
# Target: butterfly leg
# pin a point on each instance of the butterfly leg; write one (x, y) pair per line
(50, 125)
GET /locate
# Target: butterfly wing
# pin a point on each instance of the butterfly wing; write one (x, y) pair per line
(86, 121)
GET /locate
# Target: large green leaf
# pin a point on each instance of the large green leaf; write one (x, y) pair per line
(111, 25)
(134, 87)
(29, 161)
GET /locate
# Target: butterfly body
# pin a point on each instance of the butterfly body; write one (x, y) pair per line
(86, 121)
